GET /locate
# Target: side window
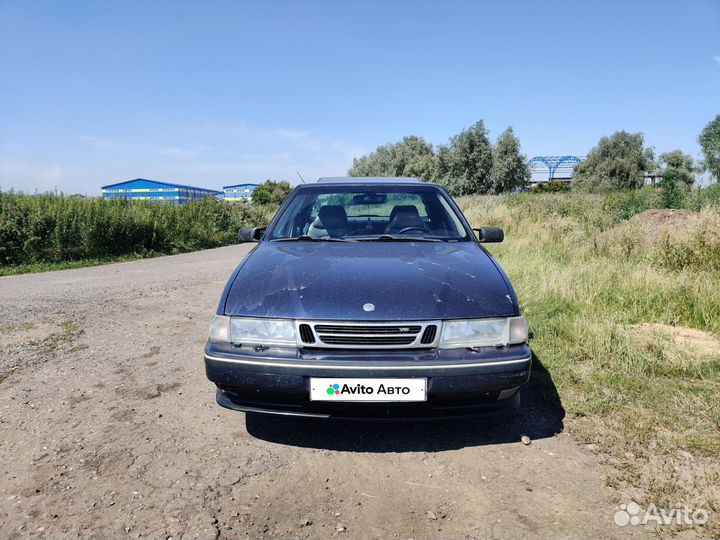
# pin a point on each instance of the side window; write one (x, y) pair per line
(456, 223)
(290, 223)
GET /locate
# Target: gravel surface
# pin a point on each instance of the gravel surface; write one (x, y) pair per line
(110, 429)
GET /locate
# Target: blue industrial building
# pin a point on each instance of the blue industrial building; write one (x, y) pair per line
(152, 190)
(239, 192)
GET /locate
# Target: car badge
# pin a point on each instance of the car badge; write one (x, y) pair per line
(369, 307)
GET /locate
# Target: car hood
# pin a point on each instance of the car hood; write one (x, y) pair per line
(402, 280)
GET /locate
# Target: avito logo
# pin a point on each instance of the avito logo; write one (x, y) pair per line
(361, 389)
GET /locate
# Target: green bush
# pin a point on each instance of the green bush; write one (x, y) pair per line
(708, 197)
(271, 192)
(552, 186)
(673, 195)
(625, 204)
(55, 228)
(698, 248)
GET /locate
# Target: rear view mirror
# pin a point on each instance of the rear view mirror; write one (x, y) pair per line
(251, 234)
(369, 198)
(490, 234)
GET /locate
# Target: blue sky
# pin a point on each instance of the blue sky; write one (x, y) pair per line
(219, 92)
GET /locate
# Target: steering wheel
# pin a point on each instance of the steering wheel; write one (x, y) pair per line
(406, 229)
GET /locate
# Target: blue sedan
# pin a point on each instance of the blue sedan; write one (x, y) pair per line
(369, 298)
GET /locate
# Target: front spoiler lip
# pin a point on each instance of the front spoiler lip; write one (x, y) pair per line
(487, 409)
(375, 367)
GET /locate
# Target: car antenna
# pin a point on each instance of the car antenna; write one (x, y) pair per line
(301, 178)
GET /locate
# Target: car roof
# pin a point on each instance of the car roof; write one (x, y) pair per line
(367, 180)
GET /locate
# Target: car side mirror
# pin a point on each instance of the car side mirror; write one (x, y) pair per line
(490, 234)
(251, 234)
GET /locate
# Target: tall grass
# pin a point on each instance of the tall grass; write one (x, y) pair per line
(641, 395)
(41, 229)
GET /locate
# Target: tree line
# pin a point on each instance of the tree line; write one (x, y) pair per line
(471, 164)
(468, 163)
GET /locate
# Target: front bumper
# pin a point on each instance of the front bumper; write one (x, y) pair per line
(460, 382)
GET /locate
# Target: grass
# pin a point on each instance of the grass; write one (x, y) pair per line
(647, 401)
(69, 330)
(48, 231)
(32, 268)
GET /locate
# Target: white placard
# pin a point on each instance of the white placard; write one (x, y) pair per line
(346, 389)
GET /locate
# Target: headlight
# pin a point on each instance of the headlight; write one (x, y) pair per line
(220, 329)
(262, 331)
(252, 331)
(483, 332)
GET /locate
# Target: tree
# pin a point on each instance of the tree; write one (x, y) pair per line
(412, 156)
(672, 195)
(271, 192)
(677, 167)
(617, 162)
(465, 164)
(510, 169)
(709, 140)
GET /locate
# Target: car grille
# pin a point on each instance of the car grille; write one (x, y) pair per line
(367, 335)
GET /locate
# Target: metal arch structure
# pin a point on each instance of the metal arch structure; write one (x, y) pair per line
(555, 163)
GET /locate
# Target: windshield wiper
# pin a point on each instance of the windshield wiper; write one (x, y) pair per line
(306, 238)
(391, 238)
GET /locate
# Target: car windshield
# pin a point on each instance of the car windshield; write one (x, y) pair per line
(369, 213)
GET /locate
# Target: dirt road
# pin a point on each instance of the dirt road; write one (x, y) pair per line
(110, 429)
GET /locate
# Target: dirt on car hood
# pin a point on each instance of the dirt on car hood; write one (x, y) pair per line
(369, 281)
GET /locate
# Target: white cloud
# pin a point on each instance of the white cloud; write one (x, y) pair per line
(298, 138)
(178, 152)
(29, 176)
(206, 155)
(114, 146)
(276, 152)
(106, 143)
(282, 166)
(240, 129)
(291, 134)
